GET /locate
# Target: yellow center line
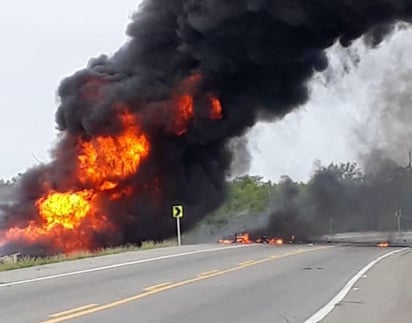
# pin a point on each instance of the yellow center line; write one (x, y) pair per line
(176, 285)
(153, 287)
(247, 262)
(211, 272)
(77, 309)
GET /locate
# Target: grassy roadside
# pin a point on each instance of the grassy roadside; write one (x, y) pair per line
(28, 261)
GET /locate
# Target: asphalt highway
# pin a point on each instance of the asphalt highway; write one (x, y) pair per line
(206, 283)
(383, 295)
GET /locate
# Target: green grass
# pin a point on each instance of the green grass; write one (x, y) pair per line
(28, 261)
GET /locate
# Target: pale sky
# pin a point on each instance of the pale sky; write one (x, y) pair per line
(43, 41)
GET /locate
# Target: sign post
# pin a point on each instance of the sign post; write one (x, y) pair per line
(177, 213)
(398, 219)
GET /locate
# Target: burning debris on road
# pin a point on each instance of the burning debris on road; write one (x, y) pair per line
(150, 126)
(247, 238)
(384, 244)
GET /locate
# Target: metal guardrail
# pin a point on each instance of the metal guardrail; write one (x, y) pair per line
(403, 238)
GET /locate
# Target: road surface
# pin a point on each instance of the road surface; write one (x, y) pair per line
(208, 283)
(383, 295)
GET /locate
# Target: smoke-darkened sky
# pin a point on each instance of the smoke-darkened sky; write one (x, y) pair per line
(43, 42)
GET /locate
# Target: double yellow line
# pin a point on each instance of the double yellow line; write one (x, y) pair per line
(72, 311)
(155, 289)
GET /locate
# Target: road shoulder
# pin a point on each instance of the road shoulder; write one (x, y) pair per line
(382, 295)
(102, 262)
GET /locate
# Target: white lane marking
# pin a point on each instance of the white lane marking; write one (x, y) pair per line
(124, 264)
(321, 314)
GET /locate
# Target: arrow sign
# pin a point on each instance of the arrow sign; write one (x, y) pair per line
(177, 211)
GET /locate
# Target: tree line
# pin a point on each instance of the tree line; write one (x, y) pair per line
(339, 197)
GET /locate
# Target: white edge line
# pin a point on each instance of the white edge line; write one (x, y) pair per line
(124, 264)
(324, 311)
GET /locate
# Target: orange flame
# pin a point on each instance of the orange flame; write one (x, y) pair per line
(243, 238)
(105, 160)
(64, 240)
(225, 241)
(183, 105)
(216, 109)
(276, 241)
(65, 209)
(383, 244)
(67, 219)
(185, 113)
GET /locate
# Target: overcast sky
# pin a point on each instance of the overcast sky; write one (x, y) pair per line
(46, 40)
(42, 42)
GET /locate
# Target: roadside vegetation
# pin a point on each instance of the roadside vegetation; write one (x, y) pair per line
(11, 262)
(337, 198)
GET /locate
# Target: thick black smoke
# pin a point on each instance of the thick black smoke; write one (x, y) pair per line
(255, 55)
(341, 198)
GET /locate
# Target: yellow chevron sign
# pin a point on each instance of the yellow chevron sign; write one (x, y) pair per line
(177, 211)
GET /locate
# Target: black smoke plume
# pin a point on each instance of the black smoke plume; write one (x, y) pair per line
(255, 55)
(341, 198)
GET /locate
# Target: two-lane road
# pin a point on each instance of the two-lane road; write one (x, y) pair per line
(205, 283)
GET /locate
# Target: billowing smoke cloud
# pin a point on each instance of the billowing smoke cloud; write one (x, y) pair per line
(349, 197)
(341, 198)
(387, 138)
(255, 56)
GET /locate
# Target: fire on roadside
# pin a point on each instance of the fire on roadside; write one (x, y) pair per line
(246, 238)
(68, 219)
(383, 244)
(278, 241)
